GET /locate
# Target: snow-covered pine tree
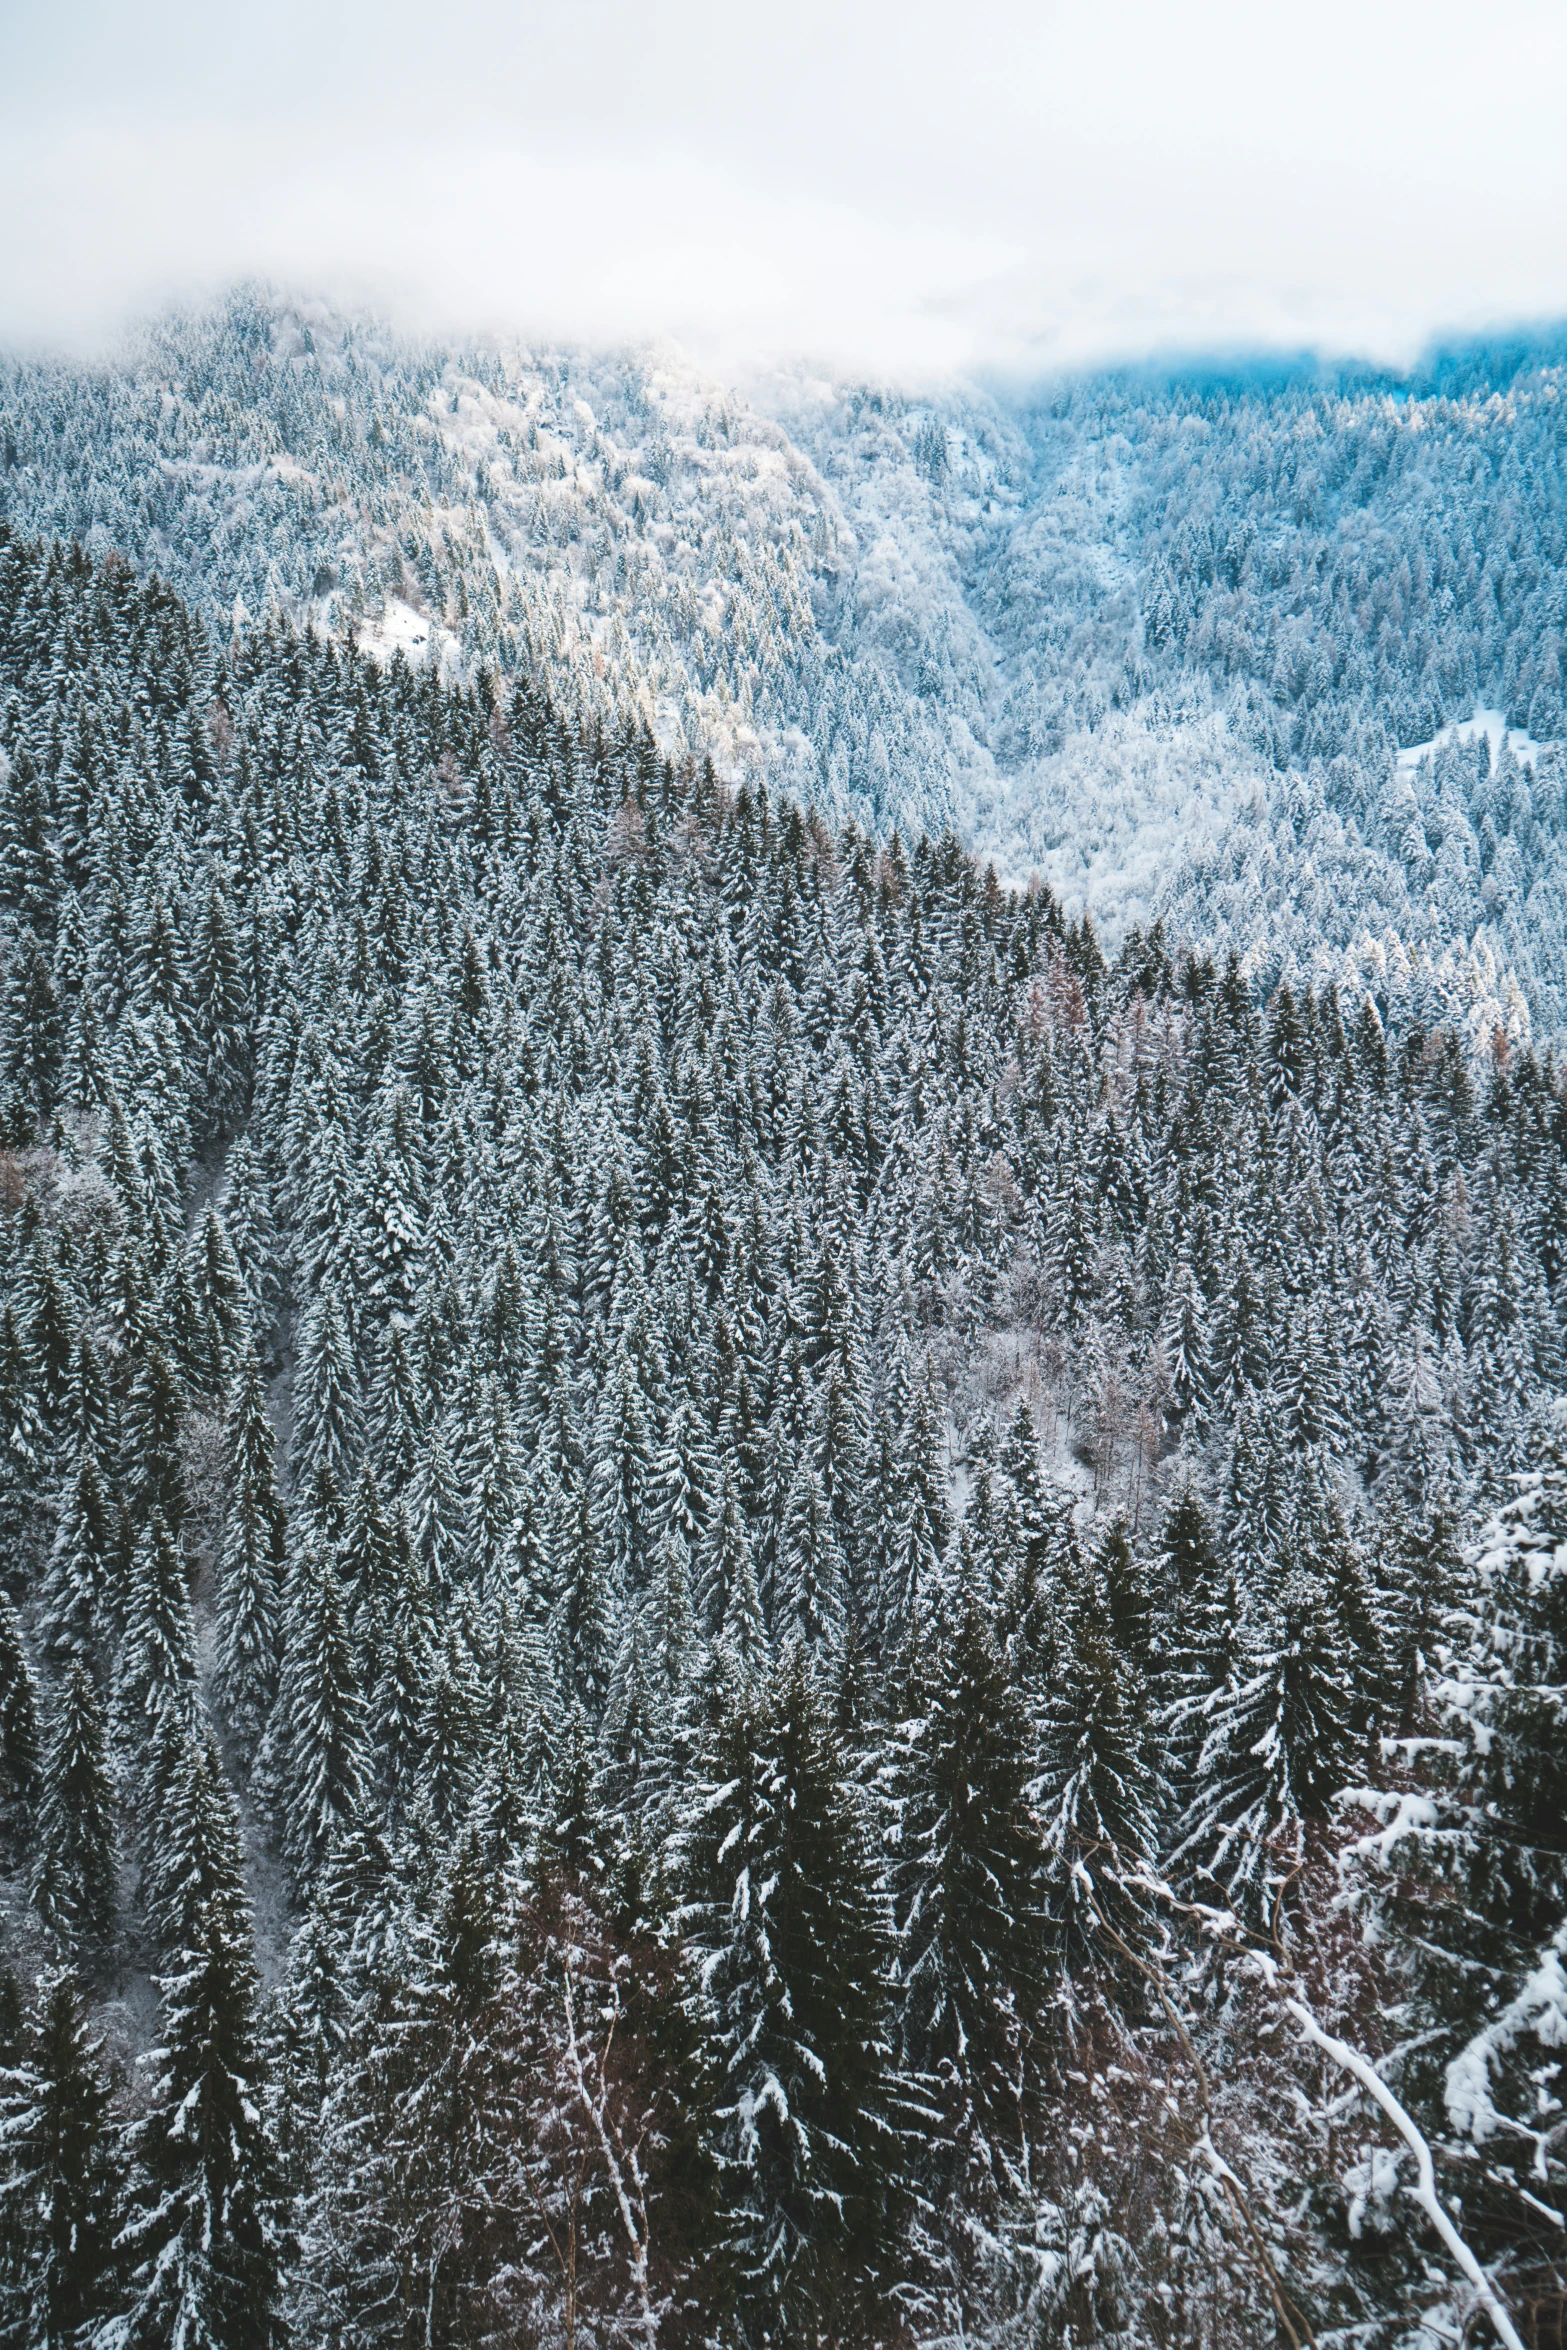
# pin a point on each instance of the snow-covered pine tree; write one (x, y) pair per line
(973, 1941)
(61, 2180)
(75, 1888)
(786, 1928)
(811, 1598)
(311, 1766)
(1102, 1799)
(203, 2239)
(20, 1744)
(1278, 1744)
(250, 1566)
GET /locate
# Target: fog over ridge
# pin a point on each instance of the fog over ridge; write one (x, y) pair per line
(1045, 192)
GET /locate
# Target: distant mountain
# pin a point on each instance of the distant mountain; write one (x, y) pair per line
(1158, 637)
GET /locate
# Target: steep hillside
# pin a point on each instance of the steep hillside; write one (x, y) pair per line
(724, 1574)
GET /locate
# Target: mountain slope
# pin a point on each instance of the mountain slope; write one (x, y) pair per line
(1158, 639)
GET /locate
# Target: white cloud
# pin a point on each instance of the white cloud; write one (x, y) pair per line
(903, 187)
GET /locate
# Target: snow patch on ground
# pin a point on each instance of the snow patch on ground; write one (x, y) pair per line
(1490, 723)
(401, 629)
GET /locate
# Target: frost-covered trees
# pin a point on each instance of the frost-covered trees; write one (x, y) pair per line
(203, 2241)
(768, 1507)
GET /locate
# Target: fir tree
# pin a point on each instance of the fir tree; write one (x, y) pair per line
(204, 2237)
(968, 1880)
(1101, 1797)
(328, 1408)
(311, 1764)
(1279, 1743)
(19, 1740)
(63, 2185)
(790, 1942)
(811, 1599)
(75, 1889)
(156, 1680)
(75, 1585)
(250, 1566)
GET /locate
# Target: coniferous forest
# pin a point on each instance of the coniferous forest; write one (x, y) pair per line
(747, 1600)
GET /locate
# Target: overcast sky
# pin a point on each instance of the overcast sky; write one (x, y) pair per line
(900, 188)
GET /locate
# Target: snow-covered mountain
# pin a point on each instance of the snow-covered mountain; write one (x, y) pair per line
(1159, 639)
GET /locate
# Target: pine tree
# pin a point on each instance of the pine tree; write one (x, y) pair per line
(573, 1838)
(19, 1741)
(311, 1763)
(306, 2044)
(450, 1736)
(1495, 1849)
(156, 1679)
(1102, 1798)
(972, 1937)
(1278, 1745)
(787, 1930)
(1200, 1609)
(62, 2186)
(403, 1659)
(588, 1632)
(811, 1601)
(225, 1305)
(76, 1582)
(439, 1505)
(368, 1559)
(153, 1412)
(391, 1207)
(251, 1562)
(924, 1523)
(221, 1013)
(497, 1503)
(204, 2238)
(75, 1889)
(328, 1408)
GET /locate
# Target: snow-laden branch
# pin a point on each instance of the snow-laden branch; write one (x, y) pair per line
(1424, 2191)
(595, 2104)
(1540, 2007)
(1224, 1927)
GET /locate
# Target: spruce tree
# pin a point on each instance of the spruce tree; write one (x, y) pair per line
(156, 1679)
(328, 1404)
(251, 1561)
(968, 1886)
(311, 1764)
(75, 1583)
(1102, 1798)
(75, 1889)
(204, 2236)
(61, 2180)
(1279, 1743)
(153, 1410)
(19, 1741)
(811, 1598)
(786, 1927)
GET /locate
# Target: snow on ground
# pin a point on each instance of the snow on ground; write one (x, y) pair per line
(401, 629)
(1493, 725)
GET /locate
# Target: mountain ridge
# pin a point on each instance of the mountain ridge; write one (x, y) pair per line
(1014, 615)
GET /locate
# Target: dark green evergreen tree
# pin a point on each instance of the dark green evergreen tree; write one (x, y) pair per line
(204, 2236)
(973, 1940)
(20, 1753)
(75, 1889)
(787, 1930)
(61, 2180)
